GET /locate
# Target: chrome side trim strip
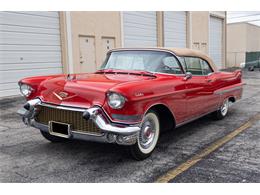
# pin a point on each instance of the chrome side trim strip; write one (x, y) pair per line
(220, 92)
(193, 119)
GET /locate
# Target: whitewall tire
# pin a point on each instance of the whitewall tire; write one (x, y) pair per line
(147, 137)
(222, 111)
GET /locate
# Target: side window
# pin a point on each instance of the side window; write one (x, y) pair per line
(182, 61)
(170, 65)
(193, 65)
(206, 69)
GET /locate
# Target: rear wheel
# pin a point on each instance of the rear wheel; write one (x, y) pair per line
(222, 111)
(52, 138)
(147, 137)
(251, 68)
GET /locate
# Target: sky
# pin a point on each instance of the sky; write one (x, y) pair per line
(252, 17)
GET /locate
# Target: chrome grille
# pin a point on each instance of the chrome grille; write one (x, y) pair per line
(74, 118)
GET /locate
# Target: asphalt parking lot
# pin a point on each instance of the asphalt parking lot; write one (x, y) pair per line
(25, 156)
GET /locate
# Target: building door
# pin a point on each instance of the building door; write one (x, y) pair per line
(87, 58)
(140, 29)
(216, 41)
(108, 43)
(175, 29)
(29, 46)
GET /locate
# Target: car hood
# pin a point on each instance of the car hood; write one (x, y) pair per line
(82, 90)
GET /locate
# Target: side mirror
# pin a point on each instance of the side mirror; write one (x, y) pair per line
(187, 76)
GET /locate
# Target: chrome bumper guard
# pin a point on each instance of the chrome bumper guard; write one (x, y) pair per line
(111, 133)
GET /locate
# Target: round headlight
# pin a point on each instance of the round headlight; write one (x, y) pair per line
(26, 90)
(116, 101)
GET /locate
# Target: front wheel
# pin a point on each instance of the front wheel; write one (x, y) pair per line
(222, 111)
(147, 137)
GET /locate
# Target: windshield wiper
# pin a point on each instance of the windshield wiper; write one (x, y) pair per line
(130, 72)
(145, 72)
(107, 70)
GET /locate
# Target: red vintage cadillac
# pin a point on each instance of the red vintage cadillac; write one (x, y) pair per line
(136, 94)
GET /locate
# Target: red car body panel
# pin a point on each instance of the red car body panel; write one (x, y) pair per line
(186, 99)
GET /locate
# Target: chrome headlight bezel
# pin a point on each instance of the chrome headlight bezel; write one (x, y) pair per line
(116, 100)
(25, 89)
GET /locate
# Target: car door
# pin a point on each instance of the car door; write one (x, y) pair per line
(212, 84)
(174, 72)
(198, 91)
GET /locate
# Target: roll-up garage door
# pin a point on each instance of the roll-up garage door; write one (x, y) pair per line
(29, 46)
(215, 40)
(140, 29)
(175, 29)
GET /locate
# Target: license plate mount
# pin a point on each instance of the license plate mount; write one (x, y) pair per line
(59, 129)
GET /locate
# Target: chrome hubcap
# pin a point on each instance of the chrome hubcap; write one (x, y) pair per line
(224, 108)
(147, 134)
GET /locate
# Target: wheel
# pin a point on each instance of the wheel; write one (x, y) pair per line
(147, 137)
(251, 68)
(222, 111)
(52, 138)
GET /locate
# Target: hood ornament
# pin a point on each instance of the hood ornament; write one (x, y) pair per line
(63, 95)
(71, 77)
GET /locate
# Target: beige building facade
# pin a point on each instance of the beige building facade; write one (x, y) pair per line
(94, 33)
(242, 38)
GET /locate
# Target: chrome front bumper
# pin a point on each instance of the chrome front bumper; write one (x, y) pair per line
(111, 133)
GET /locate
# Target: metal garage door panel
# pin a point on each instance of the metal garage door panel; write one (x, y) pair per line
(29, 46)
(140, 29)
(175, 29)
(29, 38)
(29, 20)
(21, 57)
(50, 31)
(39, 65)
(51, 14)
(16, 75)
(215, 41)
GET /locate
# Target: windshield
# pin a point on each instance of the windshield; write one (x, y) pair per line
(152, 61)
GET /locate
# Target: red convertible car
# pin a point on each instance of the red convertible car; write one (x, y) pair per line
(136, 94)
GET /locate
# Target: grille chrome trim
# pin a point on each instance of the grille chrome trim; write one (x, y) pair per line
(68, 116)
(64, 107)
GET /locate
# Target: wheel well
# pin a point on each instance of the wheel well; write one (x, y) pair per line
(232, 99)
(167, 120)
